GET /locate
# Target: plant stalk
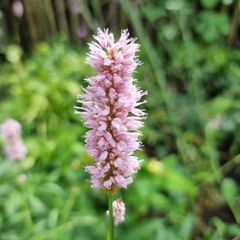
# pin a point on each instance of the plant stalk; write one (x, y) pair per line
(110, 224)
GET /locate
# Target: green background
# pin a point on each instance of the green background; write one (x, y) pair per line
(188, 187)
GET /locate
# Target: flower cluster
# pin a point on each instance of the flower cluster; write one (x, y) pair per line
(11, 132)
(119, 211)
(17, 8)
(109, 107)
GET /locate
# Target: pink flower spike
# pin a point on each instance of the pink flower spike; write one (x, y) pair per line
(119, 211)
(11, 132)
(110, 109)
(16, 151)
(10, 129)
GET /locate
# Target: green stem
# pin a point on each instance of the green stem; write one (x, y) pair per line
(110, 209)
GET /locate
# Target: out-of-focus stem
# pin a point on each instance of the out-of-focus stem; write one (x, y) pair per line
(166, 94)
(234, 26)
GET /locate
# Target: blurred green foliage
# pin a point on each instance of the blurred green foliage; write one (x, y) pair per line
(188, 186)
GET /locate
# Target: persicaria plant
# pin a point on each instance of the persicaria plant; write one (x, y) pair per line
(109, 108)
(15, 149)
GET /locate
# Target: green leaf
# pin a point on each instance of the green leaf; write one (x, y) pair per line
(209, 3)
(229, 190)
(53, 218)
(14, 54)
